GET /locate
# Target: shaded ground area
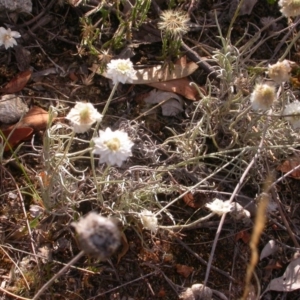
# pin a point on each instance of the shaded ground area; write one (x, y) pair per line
(60, 43)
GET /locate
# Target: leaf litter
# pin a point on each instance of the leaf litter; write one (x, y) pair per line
(199, 146)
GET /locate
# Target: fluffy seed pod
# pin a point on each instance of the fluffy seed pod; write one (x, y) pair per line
(262, 97)
(98, 236)
(197, 291)
(289, 8)
(280, 72)
(292, 113)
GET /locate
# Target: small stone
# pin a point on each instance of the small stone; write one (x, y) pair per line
(12, 108)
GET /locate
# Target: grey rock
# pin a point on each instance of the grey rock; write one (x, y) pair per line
(12, 108)
(19, 6)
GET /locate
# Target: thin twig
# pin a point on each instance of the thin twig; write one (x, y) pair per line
(25, 214)
(62, 271)
(286, 223)
(13, 295)
(192, 55)
(188, 226)
(122, 285)
(204, 262)
(36, 18)
(236, 190)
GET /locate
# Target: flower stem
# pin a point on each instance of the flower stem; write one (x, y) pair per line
(109, 99)
(99, 194)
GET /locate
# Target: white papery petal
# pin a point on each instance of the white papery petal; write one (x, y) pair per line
(117, 154)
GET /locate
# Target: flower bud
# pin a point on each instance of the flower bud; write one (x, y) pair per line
(149, 220)
(97, 236)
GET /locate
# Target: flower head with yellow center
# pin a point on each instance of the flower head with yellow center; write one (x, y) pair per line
(174, 23)
(114, 147)
(82, 116)
(263, 96)
(120, 70)
(7, 37)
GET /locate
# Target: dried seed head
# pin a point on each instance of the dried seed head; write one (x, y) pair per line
(197, 291)
(98, 236)
(174, 22)
(280, 72)
(290, 8)
(263, 96)
(270, 21)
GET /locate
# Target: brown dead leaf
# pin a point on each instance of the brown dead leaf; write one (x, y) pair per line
(17, 83)
(156, 73)
(184, 270)
(73, 76)
(36, 118)
(179, 86)
(189, 200)
(125, 247)
(16, 135)
(290, 164)
(196, 200)
(161, 293)
(244, 236)
(274, 266)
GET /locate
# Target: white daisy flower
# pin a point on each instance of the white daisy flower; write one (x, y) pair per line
(292, 112)
(114, 147)
(82, 116)
(120, 70)
(280, 72)
(263, 96)
(7, 37)
(219, 207)
(149, 220)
